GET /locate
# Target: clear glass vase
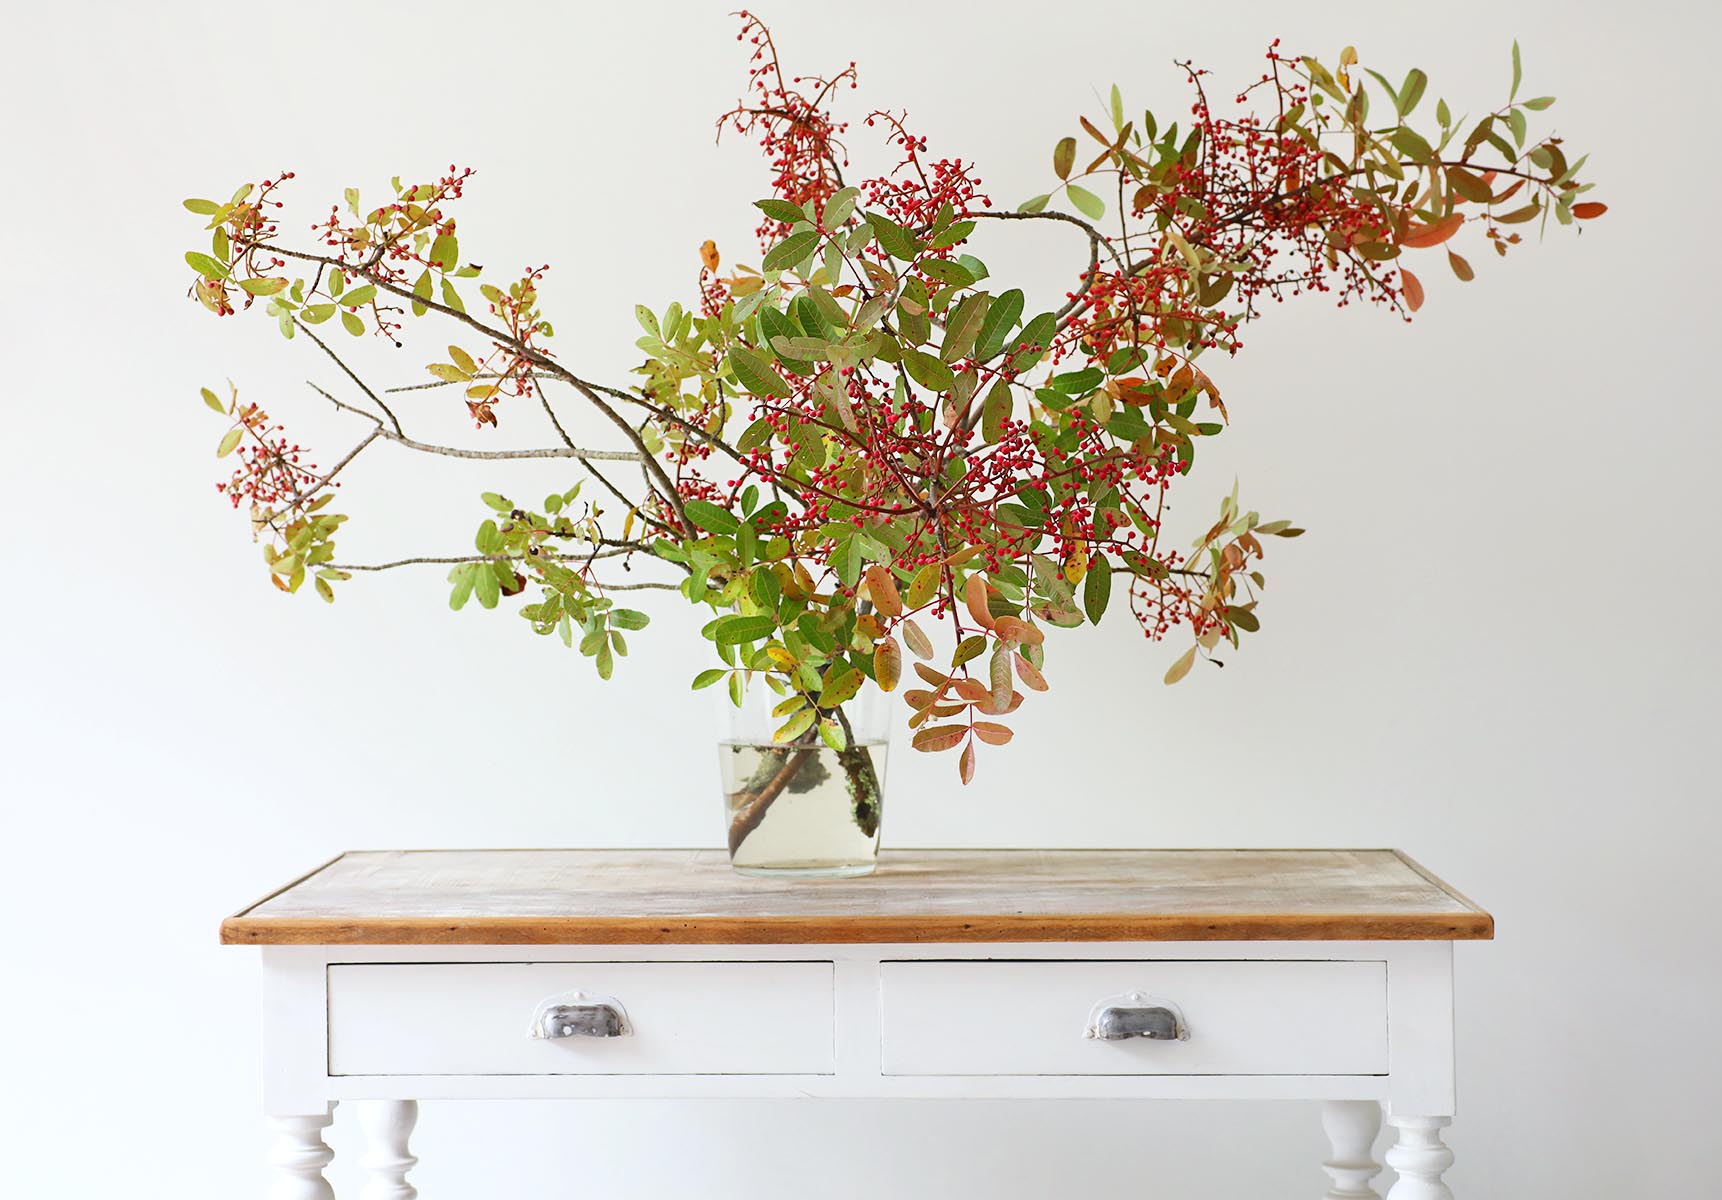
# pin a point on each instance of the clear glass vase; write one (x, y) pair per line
(802, 809)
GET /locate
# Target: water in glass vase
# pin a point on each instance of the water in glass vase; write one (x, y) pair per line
(803, 810)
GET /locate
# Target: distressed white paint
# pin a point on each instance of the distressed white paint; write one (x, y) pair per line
(1352, 1126)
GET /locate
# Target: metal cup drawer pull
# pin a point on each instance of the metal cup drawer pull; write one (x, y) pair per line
(576, 1014)
(1135, 1015)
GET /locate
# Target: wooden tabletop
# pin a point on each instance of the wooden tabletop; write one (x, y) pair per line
(691, 897)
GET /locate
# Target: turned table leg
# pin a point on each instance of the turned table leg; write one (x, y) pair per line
(1351, 1127)
(1419, 1155)
(387, 1126)
(299, 1157)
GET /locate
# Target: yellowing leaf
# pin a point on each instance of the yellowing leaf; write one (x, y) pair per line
(1182, 667)
(883, 589)
(916, 639)
(975, 597)
(887, 664)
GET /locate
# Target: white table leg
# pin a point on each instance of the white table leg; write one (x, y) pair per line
(1351, 1127)
(387, 1126)
(299, 1157)
(1419, 1155)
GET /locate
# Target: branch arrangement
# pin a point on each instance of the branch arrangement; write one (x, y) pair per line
(864, 446)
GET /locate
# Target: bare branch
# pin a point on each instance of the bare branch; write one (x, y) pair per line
(373, 397)
(569, 451)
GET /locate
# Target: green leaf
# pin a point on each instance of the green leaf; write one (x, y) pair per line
(781, 210)
(1064, 157)
(840, 207)
(1034, 204)
(927, 371)
(452, 299)
(1411, 144)
(893, 238)
(203, 208)
(229, 441)
(352, 324)
(795, 726)
(462, 577)
(790, 251)
(1086, 202)
(359, 295)
(316, 314)
(963, 326)
(994, 411)
(1038, 332)
(205, 266)
(1096, 589)
(498, 502)
(968, 649)
(484, 582)
(1518, 71)
(629, 618)
(756, 373)
(1001, 317)
(1411, 91)
(832, 734)
(211, 399)
(445, 252)
(734, 630)
(263, 287)
(708, 677)
(841, 684)
(710, 517)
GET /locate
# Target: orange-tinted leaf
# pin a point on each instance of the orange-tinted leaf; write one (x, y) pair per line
(867, 625)
(1011, 629)
(1030, 677)
(1589, 210)
(1461, 268)
(972, 690)
(966, 764)
(883, 589)
(939, 737)
(887, 664)
(1413, 289)
(992, 733)
(709, 255)
(919, 698)
(975, 596)
(916, 640)
(931, 676)
(992, 710)
(1420, 237)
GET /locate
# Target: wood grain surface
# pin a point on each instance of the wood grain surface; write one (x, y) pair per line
(691, 897)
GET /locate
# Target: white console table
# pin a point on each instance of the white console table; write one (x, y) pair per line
(394, 977)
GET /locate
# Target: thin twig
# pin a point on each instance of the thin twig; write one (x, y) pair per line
(462, 452)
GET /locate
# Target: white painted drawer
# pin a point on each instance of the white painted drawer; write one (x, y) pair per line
(1028, 1018)
(687, 1018)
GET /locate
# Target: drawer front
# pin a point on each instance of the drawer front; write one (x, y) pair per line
(1031, 1018)
(687, 1018)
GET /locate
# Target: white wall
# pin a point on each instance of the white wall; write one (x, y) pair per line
(1495, 648)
